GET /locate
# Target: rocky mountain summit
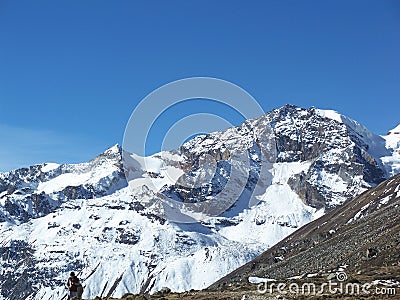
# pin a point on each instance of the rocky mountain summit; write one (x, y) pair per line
(343, 156)
(26, 193)
(107, 220)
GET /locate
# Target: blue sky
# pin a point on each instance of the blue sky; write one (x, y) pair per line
(71, 72)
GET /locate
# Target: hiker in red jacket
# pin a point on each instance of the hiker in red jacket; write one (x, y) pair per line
(72, 285)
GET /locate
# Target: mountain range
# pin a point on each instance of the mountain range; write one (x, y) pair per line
(110, 221)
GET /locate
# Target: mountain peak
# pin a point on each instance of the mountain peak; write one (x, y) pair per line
(395, 130)
(288, 106)
(330, 114)
(324, 113)
(113, 153)
(114, 149)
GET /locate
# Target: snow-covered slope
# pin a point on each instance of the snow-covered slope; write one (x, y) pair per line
(392, 161)
(117, 244)
(105, 219)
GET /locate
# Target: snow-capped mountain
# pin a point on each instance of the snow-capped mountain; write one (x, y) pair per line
(118, 236)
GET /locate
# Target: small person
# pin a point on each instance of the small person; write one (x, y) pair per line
(73, 286)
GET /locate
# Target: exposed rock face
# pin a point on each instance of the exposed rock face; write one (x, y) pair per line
(19, 258)
(334, 148)
(338, 151)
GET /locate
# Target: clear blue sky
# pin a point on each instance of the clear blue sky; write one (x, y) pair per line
(71, 72)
